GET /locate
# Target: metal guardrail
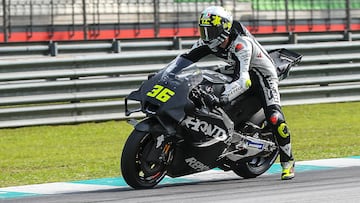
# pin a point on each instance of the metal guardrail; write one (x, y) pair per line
(42, 90)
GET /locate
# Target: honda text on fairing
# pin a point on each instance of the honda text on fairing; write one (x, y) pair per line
(187, 130)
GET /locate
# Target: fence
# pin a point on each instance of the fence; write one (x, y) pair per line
(74, 88)
(61, 20)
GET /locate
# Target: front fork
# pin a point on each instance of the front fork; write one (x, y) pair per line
(161, 151)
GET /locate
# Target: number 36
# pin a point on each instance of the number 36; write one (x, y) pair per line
(161, 93)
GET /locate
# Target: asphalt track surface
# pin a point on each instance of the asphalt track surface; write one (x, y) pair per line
(332, 185)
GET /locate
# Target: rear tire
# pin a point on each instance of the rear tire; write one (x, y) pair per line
(137, 171)
(256, 166)
(260, 164)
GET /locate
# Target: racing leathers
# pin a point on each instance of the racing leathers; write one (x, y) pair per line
(250, 67)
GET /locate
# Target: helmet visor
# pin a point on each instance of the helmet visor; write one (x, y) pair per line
(209, 33)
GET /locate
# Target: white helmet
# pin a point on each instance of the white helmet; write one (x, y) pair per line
(215, 25)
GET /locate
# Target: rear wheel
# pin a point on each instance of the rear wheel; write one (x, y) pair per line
(260, 164)
(142, 164)
(256, 166)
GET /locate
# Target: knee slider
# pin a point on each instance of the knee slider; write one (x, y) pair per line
(277, 120)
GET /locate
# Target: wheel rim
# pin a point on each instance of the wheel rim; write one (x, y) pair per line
(262, 163)
(148, 172)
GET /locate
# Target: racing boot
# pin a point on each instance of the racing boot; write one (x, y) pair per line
(288, 170)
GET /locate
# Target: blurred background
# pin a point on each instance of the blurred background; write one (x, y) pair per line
(63, 20)
(101, 50)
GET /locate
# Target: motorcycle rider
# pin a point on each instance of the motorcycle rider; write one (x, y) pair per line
(251, 67)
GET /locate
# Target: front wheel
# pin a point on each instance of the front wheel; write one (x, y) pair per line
(142, 164)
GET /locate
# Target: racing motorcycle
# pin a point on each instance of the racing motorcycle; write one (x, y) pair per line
(188, 130)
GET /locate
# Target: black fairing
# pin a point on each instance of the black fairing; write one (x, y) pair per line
(174, 107)
(190, 155)
(198, 152)
(201, 158)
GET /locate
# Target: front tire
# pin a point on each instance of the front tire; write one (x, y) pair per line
(139, 171)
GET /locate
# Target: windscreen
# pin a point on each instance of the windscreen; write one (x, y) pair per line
(177, 65)
(181, 69)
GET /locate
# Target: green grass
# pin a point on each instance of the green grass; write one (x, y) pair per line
(59, 153)
(76, 152)
(324, 130)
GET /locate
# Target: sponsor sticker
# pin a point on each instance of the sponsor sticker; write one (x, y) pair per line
(255, 145)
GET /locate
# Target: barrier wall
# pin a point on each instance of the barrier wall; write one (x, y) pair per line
(75, 87)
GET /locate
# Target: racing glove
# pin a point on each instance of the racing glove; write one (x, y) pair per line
(236, 88)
